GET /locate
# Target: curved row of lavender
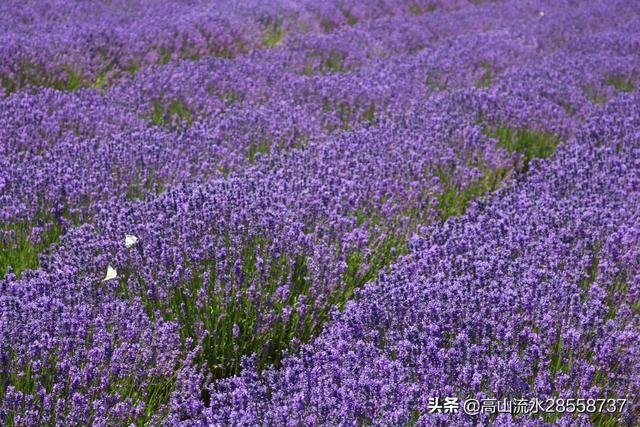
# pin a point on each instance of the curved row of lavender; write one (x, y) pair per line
(535, 294)
(254, 263)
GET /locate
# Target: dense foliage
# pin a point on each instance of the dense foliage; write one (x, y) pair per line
(304, 213)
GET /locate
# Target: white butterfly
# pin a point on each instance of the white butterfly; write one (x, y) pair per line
(111, 274)
(130, 240)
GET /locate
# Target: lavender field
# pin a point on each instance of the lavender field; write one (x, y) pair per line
(300, 213)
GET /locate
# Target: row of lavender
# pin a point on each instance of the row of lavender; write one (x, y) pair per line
(68, 45)
(104, 147)
(535, 294)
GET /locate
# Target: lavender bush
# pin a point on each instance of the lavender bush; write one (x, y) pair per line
(282, 213)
